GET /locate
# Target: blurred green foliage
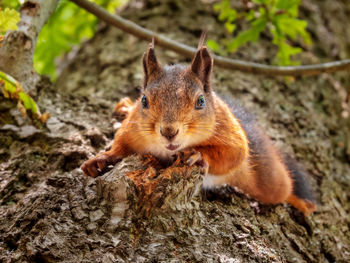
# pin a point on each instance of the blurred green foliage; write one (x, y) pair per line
(8, 20)
(9, 16)
(69, 25)
(278, 17)
(13, 4)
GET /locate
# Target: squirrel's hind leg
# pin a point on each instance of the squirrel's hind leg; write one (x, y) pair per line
(303, 205)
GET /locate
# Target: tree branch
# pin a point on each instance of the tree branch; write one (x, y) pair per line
(16, 52)
(249, 67)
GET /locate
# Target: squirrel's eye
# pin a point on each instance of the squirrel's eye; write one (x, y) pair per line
(144, 102)
(200, 103)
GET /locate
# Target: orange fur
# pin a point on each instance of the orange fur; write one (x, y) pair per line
(122, 108)
(305, 206)
(227, 148)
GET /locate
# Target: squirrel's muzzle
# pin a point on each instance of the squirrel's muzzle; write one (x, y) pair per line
(169, 132)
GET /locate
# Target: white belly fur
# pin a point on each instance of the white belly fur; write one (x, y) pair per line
(212, 181)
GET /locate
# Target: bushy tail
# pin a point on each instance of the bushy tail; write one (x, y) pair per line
(301, 186)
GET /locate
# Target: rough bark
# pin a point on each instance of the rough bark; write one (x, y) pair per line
(19, 45)
(51, 213)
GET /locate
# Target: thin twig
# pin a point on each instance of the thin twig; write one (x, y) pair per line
(250, 67)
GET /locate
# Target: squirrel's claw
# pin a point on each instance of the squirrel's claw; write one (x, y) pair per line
(89, 170)
(196, 158)
(204, 166)
(193, 158)
(97, 165)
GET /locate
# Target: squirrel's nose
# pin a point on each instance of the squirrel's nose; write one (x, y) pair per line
(169, 132)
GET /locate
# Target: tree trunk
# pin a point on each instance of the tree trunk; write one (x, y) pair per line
(51, 213)
(17, 49)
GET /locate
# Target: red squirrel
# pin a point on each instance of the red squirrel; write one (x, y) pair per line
(178, 111)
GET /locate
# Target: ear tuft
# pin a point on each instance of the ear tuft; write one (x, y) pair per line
(151, 67)
(202, 65)
(196, 63)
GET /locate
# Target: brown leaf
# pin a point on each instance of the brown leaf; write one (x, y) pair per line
(21, 108)
(44, 117)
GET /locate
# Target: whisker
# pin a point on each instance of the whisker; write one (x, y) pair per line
(214, 135)
(204, 131)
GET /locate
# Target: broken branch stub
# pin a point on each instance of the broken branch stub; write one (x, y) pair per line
(142, 185)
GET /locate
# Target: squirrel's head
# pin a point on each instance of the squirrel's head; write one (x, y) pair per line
(176, 103)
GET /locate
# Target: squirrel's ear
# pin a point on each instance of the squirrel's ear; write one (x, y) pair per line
(201, 66)
(151, 67)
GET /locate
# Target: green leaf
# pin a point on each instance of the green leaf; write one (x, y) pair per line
(8, 19)
(260, 1)
(262, 11)
(213, 45)
(28, 102)
(11, 89)
(11, 86)
(287, 4)
(284, 54)
(226, 13)
(14, 4)
(290, 6)
(250, 15)
(224, 4)
(250, 35)
(9, 82)
(293, 28)
(230, 27)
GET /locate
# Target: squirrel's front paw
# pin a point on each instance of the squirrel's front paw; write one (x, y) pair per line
(197, 158)
(97, 165)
